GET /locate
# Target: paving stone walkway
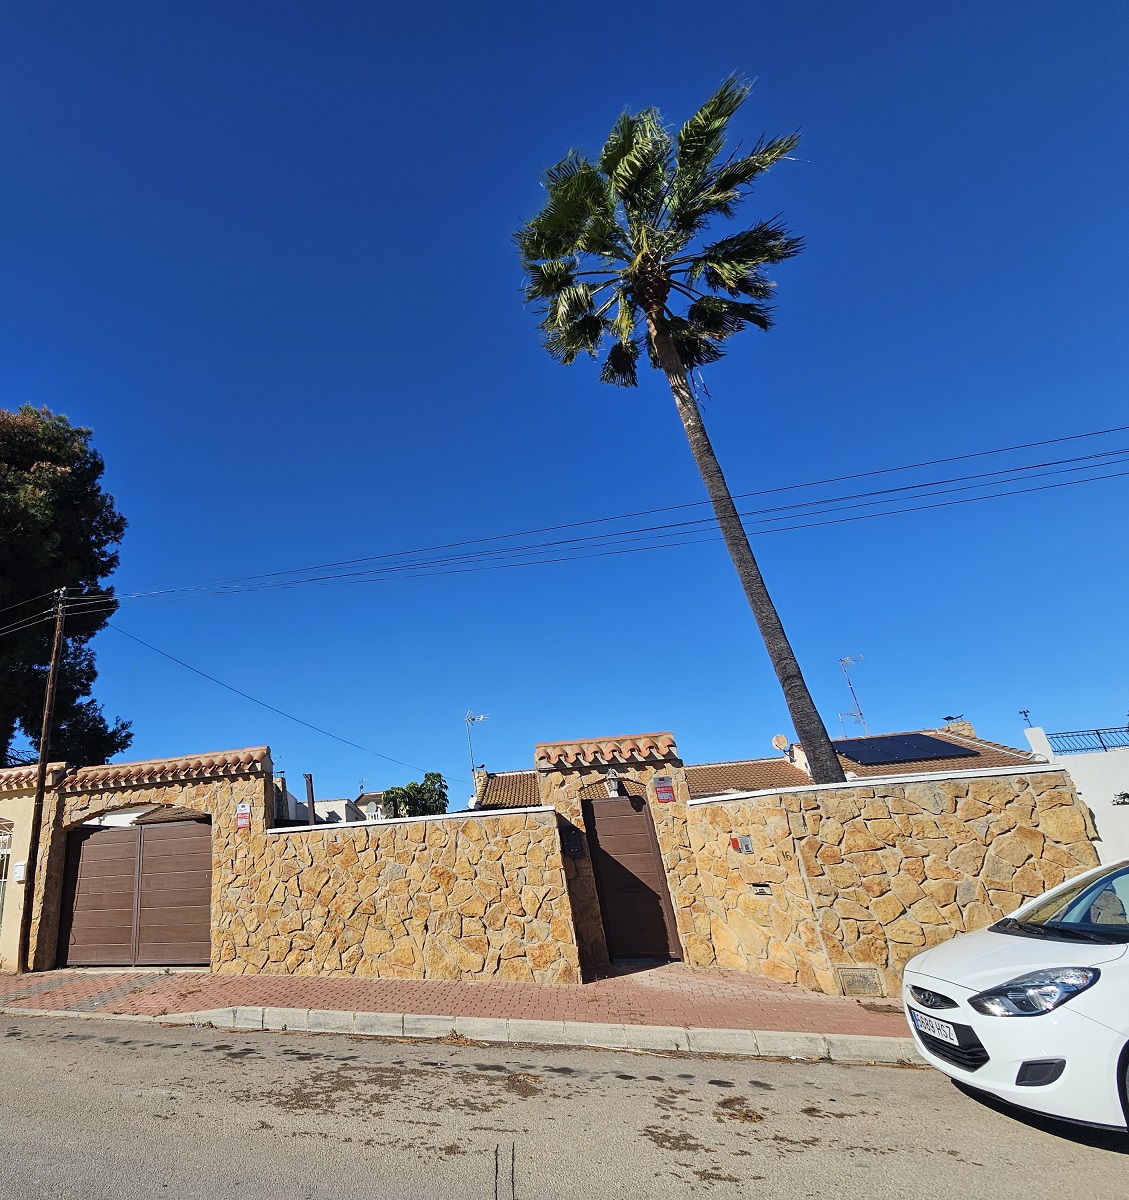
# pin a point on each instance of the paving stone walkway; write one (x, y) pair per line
(672, 994)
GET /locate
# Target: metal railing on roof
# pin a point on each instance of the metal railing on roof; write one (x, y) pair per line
(1082, 740)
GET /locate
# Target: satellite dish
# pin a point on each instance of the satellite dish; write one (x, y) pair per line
(780, 742)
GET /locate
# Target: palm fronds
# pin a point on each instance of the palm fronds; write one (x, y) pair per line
(616, 250)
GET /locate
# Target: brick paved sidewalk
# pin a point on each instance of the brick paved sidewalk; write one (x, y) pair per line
(669, 995)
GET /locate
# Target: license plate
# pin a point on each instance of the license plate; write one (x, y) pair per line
(938, 1029)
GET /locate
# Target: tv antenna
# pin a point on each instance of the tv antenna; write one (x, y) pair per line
(470, 719)
(855, 714)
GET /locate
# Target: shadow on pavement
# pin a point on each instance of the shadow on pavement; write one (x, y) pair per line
(1113, 1140)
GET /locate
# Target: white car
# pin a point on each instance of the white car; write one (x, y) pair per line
(1035, 1009)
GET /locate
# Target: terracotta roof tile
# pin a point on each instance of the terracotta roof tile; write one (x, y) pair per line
(19, 779)
(639, 747)
(746, 775)
(510, 789)
(519, 789)
(253, 761)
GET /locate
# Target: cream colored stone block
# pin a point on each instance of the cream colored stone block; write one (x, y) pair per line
(843, 875)
(377, 941)
(857, 837)
(1005, 902)
(907, 889)
(887, 908)
(940, 891)
(1027, 881)
(968, 858)
(1062, 825)
(851, 909)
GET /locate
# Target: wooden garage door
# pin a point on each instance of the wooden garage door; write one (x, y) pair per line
(138, 896)
(175, 894)
(638, 920)
(99, 898)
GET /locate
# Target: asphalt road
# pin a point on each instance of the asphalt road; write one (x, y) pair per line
(121, 1110)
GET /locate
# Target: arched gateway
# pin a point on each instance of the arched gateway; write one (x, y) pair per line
(134, 858)
(139, 894)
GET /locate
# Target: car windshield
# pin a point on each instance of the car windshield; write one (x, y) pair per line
(1090, 909)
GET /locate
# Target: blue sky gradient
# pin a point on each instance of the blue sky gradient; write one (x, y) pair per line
(263, 249)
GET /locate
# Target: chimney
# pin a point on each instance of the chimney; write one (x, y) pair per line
(960, 727)
(798, 758)
(480, 776)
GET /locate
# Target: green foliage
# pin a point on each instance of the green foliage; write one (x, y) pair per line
(58, 528)
(617, 250)
(417, 799)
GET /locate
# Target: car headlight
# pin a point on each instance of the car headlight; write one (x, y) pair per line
(1039, 992)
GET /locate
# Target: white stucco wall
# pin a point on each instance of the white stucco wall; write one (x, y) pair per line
(17, 809)
(1098, 776)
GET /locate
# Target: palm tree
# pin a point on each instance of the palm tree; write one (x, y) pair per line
(618, 246)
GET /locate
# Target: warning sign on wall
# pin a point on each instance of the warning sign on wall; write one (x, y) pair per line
(242, 816)
(664, 789)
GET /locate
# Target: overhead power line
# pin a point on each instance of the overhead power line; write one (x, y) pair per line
(493, 554)
(659, 538)
(656, 537)
(782, 518)
(264, 704)
(668, 508)
(31, 600)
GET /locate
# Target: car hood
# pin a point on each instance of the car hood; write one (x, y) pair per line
(984, 959)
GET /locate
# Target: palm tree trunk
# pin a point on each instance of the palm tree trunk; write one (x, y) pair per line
(823, 762)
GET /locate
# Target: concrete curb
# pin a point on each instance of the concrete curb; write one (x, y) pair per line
(746, 1043)
(853, 1048)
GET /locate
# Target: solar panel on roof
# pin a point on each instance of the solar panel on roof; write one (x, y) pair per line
(900, 748)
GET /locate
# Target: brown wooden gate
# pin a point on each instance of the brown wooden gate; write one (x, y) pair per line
(140, 895)
(630, 879)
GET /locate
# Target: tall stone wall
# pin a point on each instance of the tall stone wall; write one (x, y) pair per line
(861, 875)
(868, 876)
(753, 912)
(466, 896)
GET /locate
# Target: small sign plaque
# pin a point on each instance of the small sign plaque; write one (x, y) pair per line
(242, 816)
(664, 789)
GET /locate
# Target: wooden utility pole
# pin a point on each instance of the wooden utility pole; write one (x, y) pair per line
(22, 965)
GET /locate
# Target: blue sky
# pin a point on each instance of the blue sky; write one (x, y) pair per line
(263, 250)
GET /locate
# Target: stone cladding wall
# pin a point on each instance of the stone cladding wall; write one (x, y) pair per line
(466, 896)
(863, 875)
(868, 876)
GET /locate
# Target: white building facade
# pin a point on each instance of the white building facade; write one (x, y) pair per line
(1098, 762)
